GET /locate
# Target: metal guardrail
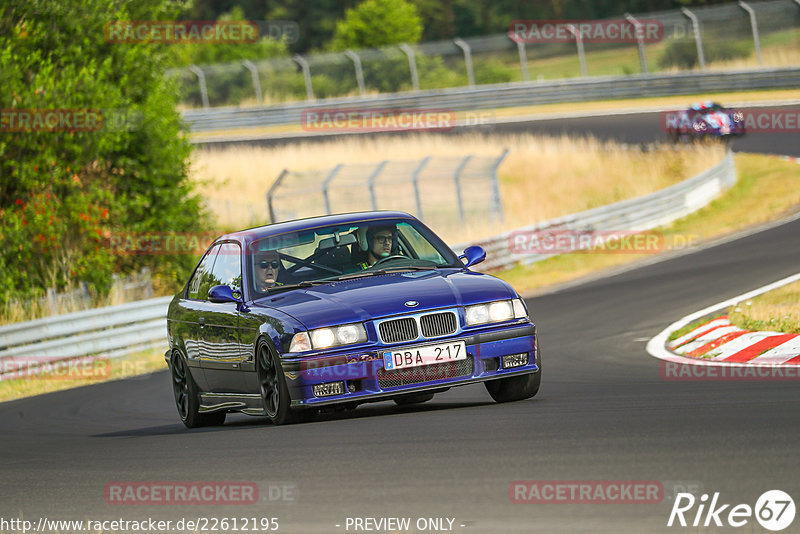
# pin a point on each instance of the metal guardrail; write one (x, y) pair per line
(636, 214)
(111, 331)
(118, 330)
(502, 95)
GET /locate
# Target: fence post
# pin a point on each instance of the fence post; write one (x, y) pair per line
(462, 44)
(326, 183)
(412, 65)
(300, 60)
(271, 192)
(249, 65)
(579, 41)
(639, 41)
(371, 183)
(201, 77)
(415, 179)
(754, 27)
(497, 203)
(359, 72)
(523, 60)
(701, 58)
(457, 181)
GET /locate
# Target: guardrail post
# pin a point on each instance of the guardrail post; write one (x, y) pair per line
(371, 183)
(462, 44)
(201, 78)
(457, 181)
(639, 41)
(523, 59)
(300, 60)
(415, 180)
(701, 58)
(326, 184)
(579, 41)
(754, 27)
(271, 193)
(412, 65)
(359, 72)
(249, 65)
(497, 203)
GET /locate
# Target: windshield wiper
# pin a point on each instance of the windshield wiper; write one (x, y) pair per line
(308, 283)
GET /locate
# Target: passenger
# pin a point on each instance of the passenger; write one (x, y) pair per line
(267, 269)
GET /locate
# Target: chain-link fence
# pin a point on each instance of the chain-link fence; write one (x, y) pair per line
(442, 191)
(735, 35)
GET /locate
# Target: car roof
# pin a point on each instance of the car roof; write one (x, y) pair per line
(251, 234)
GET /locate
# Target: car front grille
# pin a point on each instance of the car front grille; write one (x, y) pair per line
(408, 328)
(424, 373)
(438, 324)
(399, 330)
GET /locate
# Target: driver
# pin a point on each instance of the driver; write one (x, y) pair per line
(380, 243)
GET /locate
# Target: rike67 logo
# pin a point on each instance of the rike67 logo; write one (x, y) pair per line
(774, 510)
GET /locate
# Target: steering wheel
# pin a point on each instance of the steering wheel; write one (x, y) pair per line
(387, 258)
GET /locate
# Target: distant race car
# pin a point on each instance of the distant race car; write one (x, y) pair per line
(335, 311)
(705, 120)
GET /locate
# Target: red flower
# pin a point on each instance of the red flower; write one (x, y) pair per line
(19, 202)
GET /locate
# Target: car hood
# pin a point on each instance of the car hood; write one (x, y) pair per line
(373, 297)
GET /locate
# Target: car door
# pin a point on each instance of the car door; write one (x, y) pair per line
(222, 357)
(187, 327)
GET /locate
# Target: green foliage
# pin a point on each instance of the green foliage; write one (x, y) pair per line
(66, 191)
(375, 23)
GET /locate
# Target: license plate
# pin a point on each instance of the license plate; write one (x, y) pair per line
(424, 355)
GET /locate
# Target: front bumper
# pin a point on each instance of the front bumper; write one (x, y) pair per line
(365, 379)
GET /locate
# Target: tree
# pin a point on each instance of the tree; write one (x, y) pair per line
(65, 190)
(375, 23)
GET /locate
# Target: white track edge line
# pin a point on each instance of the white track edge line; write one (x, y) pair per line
(656, 347)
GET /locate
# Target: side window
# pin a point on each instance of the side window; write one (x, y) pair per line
(227, 269)
(198, 285)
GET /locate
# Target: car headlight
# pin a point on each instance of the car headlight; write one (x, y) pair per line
(323, 338)
(495, 312)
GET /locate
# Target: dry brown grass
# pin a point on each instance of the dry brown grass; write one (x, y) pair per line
(541, 177)
(778, 310)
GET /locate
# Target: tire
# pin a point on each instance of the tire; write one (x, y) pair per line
(407, 400)
(515, 388)
(274, 393)
(187, 397)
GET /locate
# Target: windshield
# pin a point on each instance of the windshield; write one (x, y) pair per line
(329, 253)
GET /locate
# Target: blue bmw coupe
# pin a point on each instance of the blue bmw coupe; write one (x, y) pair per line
(331, 312)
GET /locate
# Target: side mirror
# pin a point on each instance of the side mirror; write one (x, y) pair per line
(474, 255)
(222, 293)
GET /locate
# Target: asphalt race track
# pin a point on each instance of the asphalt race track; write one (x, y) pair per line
(633, 128)
(604, 413)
